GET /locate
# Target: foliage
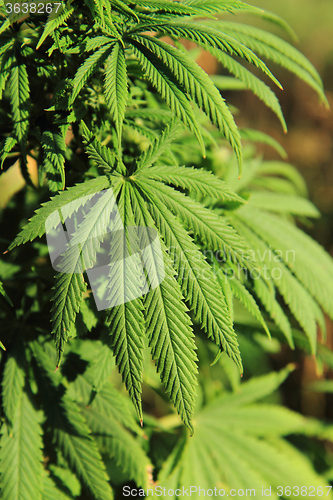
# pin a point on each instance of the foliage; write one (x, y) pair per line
(103, 95)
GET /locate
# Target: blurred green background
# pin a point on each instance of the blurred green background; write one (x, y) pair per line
(309, 144)
(309, 141)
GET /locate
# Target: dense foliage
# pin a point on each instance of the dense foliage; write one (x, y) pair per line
(104, 95)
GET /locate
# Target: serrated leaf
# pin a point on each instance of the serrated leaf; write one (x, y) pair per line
(54, 149)
(7, 147)
(198, 283)
(102, 155)
(36, 226)
(197, 179)
(162, 79)
(115, 86)
(12, 387)
(126, 316)
(159, 146)
(115, 442)
(67, 478)
(51, 491)
(54, 22)
(71, 432)
(168, 328)
(310, 264)
(245, 297)
(21, 454)
(101, 367)
(197, 84)
(20, 96)
(79, 256)
(90, 65)
(237, 446)
(279, 51)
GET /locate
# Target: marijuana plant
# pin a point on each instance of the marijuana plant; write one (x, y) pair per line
(103, 95)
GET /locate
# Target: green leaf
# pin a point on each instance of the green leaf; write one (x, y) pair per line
(267, 297)
(238, 446)
(50, 490)
(115, 85)
(161, 77)
(102, 155)
(198, 85)
(69, 284)
(273, 170)
(126, 319)
(101, 367)
(205, 34)
(251, 82)
(214, 231)
(245, 297)
(21, 454)
(90, 65)
(12, 387)
(115, 442)
(283, 204)
(168, 328)
(8, 144)
(193, 179)
(277, 50)
(311, 264)
(124, 9)
(198, 283)
(20, 97)
(54, 149)
(71, 432)
(301, 304)
(36, 225)
(67, 478)
(248, 134)
(159, 146)
(81, 452)
(108, 401)
(214, 6)
(4, 294)
(67, 298)
(257, 388)
(54, 22)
